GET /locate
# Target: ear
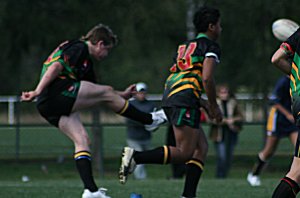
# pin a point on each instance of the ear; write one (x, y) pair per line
(100, 44)
(211, 27)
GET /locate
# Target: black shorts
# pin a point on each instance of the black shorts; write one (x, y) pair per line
(52, 104)
(182, 116)
(278, 126)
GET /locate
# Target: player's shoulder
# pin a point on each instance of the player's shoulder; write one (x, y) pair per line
(75, 44)
(204, 42)
(75, 47)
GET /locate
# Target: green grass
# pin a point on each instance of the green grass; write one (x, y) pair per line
(41, 147)
(209, 188)
(61, 180)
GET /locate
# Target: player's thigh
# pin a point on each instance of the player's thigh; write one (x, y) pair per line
(186, 138)
(91, 94)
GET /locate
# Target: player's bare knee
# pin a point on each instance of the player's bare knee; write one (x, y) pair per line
(108, 89)
(265, 155)
(203, 147)
(108, 93)
(187, 155)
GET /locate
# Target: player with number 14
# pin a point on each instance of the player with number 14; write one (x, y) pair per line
(191, 74)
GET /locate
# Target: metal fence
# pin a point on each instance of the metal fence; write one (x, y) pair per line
(252, 106)
(25, 135)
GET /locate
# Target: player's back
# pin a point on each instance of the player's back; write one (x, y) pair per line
(184, 85)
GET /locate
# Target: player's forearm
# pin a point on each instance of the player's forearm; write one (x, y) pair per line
(208, 80)
(283, 65)
(282, 110)
(52, 72)
(210, 89)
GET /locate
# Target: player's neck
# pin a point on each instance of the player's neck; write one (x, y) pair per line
(207, 34)
(91, 47)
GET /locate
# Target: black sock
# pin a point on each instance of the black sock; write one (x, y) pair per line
(129, 111)
(259, 165)
(287, 188)
(84, 167)
(194, 169)
(160, 155)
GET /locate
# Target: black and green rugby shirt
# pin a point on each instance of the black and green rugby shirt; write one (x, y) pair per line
(74, 57)
(184, 84)
(292, 48)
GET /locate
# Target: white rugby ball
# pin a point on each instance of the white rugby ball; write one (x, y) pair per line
(284, 28)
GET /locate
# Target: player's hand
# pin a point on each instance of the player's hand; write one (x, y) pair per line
(129, 92)
(290, 117)
(216, 114)
(28, 96)
(228, 121)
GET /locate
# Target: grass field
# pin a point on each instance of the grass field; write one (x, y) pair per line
(41, 147)
(61, 180)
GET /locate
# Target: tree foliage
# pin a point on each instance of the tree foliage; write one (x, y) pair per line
(149, 32)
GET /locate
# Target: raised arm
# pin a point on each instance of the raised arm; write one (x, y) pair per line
(51, 73)
(279, 59)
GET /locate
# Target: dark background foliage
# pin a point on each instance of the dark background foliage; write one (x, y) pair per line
(149, 32)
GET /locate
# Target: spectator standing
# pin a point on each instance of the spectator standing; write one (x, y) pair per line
(225, 134)
(137, 136)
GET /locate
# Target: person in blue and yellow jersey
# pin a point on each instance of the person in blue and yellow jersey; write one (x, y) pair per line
(289, 185)
(280, 124)
(191, 74)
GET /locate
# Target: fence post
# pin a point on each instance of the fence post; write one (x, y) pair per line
(97, 142)
(11, 110)
(17, 112)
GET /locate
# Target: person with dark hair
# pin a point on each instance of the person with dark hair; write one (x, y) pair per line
(280, 124)
(289, 185)
(192, 73)
(68, 85)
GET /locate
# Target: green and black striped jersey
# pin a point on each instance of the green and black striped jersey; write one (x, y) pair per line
(292, 48)
(184, 85)
(74, 57)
